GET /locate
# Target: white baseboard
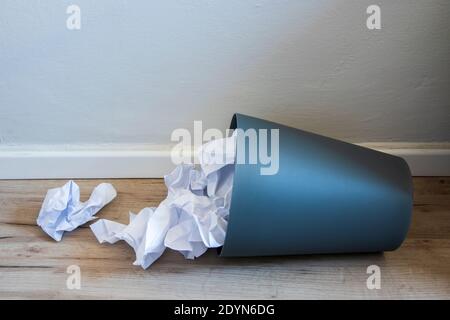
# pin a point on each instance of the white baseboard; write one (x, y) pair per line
(84, 164)
(132, 162)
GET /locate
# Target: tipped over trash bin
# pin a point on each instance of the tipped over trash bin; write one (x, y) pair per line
(327, 196)
(266, 189)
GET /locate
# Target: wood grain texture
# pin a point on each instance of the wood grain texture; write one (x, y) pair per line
(34, 266)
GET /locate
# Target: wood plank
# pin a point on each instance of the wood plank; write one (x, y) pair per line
(34, 266)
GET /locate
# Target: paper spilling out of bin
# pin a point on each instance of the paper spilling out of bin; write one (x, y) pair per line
(192, 218)
(325, 196)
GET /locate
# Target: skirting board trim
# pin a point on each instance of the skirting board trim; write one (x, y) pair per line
(132, 163)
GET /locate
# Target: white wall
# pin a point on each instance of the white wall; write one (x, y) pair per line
(139, 69)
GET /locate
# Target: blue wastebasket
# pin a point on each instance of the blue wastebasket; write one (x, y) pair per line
(328, 196)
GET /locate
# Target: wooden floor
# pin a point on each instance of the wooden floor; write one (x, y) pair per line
(34, 266)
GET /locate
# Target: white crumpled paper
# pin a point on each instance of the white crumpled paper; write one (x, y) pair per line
(63, 211)
(192, 218)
